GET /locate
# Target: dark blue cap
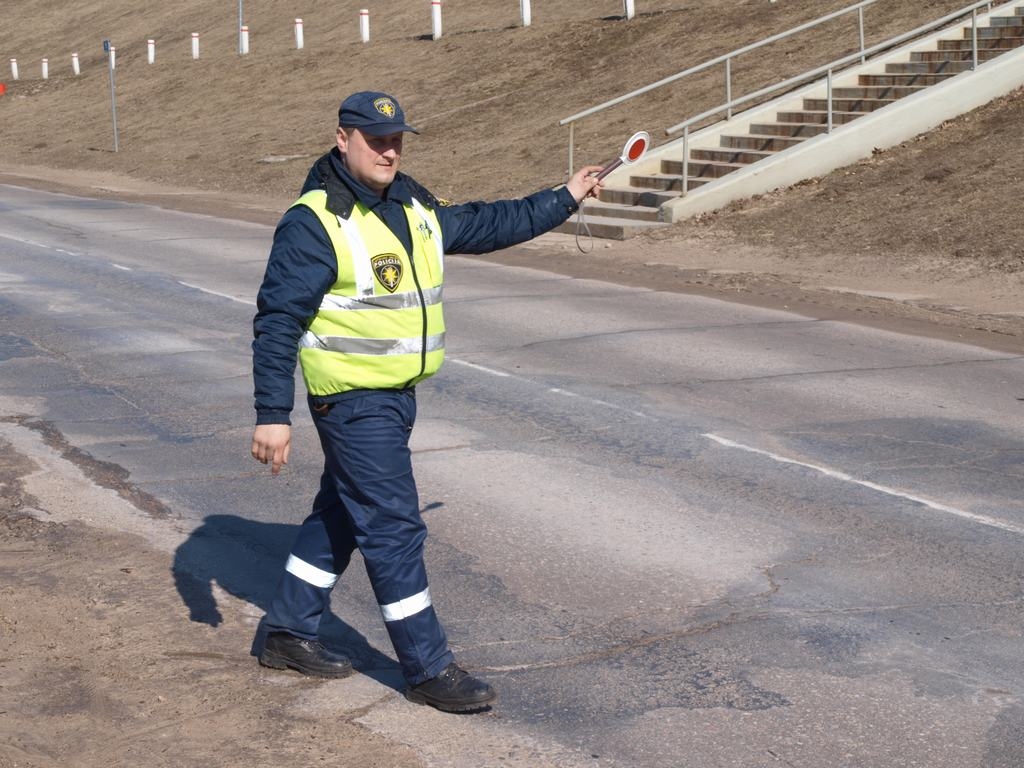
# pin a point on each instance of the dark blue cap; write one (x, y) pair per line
(374, 113)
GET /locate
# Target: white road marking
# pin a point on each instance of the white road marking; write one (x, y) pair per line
(595, 401)
(481, 368)
(26, 241)
(120, 266)
(553, 390)
(837, 475)
(217, 293)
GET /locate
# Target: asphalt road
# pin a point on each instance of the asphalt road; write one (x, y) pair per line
(671, 530)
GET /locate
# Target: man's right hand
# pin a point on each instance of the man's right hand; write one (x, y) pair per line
(584, 183)
(271, 444)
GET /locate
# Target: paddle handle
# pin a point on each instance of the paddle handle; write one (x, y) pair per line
(609, 168)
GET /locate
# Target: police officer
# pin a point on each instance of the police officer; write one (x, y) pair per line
(353, 288)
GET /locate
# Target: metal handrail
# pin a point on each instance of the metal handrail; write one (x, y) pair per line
(827, 70)
(813, 74)
(725, 58)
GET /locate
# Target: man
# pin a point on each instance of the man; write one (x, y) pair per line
(353, 288)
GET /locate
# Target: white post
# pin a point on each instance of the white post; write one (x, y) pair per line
(299, 42)
(113, 58)
(435, 17)
(364, 25)
(14, 69)
(46, 69)
(151, 51)
(195, 45)
(524, 10)
(74, 64)
(630, 9)
(245, 40)
(113, 88)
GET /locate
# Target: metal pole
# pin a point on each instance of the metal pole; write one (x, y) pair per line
(113, 99)
(240, 23)
(974, 39)
(572, 137)
(829, 128)
(728, 88)
(860, 14)
(686, 162)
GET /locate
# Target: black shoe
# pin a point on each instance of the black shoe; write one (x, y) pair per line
(454, 690)
(285, 651)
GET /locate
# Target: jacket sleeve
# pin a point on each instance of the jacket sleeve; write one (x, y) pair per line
(486, 227)
(300, 270)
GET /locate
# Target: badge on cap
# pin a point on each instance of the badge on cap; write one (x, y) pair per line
(385, 106)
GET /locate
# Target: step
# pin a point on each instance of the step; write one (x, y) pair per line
(953, 56)
(742, 156)
(847, 105)
(640, 196)
(697, 169)
(984, 44)
(988, 32)
(676, 179)
(1007, 21)
(620, 211)
(671, 183)
(796, 130)
(660, 181)
(905, 80)
(877, 91)
(675, 168)
(762, 142)
(821, 118)
(609, 228)
(928, 67)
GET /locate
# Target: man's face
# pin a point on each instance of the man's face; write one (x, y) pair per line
(372, 160)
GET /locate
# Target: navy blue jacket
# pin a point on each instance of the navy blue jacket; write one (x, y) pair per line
(302, 265)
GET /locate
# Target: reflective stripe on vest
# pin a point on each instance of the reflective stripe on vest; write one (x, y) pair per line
(310, 340)
(381, 325)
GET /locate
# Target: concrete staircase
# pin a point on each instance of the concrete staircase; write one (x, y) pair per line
(642, 197)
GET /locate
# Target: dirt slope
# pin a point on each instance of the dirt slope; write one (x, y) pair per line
(488, 95)
(927, 230)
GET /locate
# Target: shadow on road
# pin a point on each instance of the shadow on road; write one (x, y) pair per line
(246, 558)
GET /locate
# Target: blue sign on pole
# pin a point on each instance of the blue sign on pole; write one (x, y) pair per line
(106, 46)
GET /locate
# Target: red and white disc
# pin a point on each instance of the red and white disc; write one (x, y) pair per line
(636, 147)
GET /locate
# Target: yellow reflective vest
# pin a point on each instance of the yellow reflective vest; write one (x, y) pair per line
(380, 326)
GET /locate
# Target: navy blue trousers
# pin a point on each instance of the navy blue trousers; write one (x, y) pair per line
(368, 500)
